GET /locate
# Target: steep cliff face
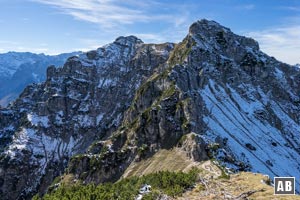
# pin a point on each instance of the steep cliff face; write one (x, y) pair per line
(242, 105)
(251, 101)
(214, 95)
(246, 104)
(82, 101)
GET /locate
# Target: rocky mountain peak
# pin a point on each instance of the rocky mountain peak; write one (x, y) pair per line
(213, 37)
(79, 103)
(128, 40)
(206, 26)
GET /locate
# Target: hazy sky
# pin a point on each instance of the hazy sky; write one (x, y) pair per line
(55, 26)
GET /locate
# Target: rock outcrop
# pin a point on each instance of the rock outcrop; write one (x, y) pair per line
(79, 103)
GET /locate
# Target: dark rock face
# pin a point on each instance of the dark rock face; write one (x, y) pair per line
(237, 100)
(215, 94)
(79, 103)
(244, 96)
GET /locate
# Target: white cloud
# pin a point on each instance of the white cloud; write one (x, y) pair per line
(283, 43)
(108, 13)
(117, 18)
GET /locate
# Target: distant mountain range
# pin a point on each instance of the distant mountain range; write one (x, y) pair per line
(18, 69)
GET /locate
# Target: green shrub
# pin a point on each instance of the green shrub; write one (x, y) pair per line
(170, 183)
(182, 140)
(143, 149)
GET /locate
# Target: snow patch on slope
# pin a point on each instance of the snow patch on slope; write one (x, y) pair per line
(233, 117)
(41, 147)
(38, 120)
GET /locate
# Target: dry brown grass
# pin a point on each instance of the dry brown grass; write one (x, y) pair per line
(244, 185)
(163, 160)
(68, 180)
(237, 186)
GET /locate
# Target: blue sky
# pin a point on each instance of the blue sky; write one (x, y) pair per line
(55, 26)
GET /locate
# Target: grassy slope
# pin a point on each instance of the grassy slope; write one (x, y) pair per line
(163, 160)
(211, 186)
(245, 185)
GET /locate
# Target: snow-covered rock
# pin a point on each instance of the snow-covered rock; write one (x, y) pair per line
(77, 104)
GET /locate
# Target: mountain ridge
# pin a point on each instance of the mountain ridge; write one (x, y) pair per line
(53, 120)
(214, 95)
